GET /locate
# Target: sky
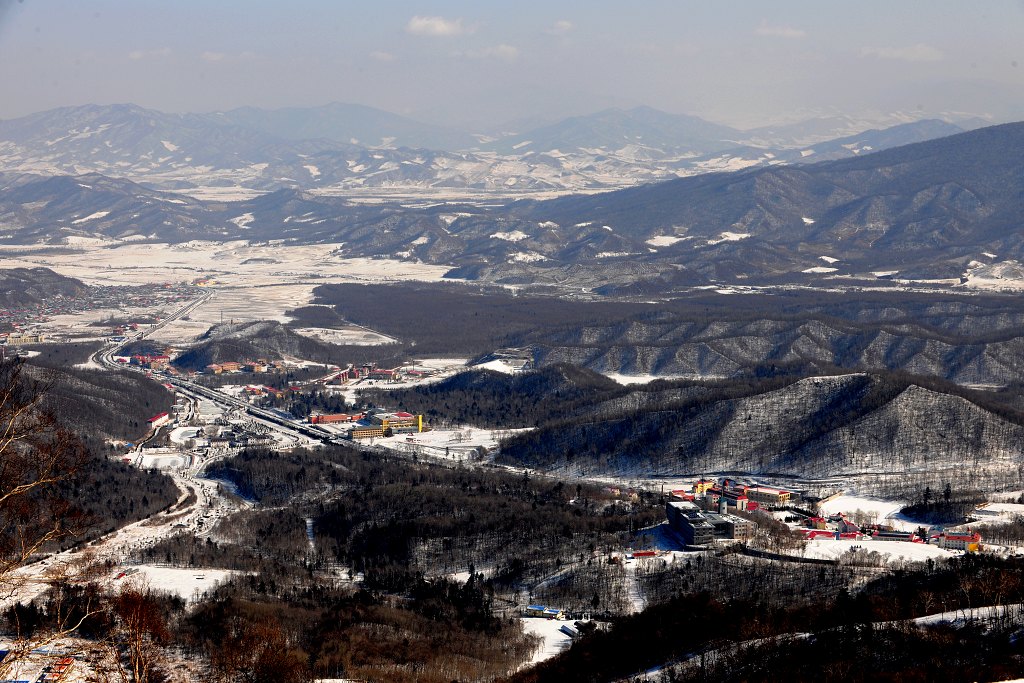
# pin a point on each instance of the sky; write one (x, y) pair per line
(484, 64)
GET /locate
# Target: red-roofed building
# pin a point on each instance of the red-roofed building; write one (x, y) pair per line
(159, 420)
(969, 541)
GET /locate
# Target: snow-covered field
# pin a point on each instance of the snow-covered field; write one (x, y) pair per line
(553, 641)
(503, 365)
(185, 583)
(873, 509)
(252, 282)
(995, 513)
(455, 444)
(354, 335)
(647, 379)
(830, 549)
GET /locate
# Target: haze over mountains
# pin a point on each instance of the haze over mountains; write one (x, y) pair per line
(352, 148)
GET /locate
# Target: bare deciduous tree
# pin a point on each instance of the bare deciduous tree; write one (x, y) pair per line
(37, 457)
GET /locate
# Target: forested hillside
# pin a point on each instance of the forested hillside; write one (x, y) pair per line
(787, 425)
(94, 407)
(269, 340)
(21, 287)
(965, 339)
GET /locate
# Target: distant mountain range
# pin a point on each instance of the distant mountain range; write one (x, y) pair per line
(352, 149)
(945, 208)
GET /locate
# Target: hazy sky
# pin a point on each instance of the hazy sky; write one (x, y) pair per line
(741, 63)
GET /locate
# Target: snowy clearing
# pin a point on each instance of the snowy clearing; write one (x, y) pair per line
(877, 510)
(830, 549)
(185, 583)
(819, 269)
(647, 379)
(553, 641)
(243, 220)
(730, 237)
(514, 236)
(663, 240)
(91, 217)
(504, 365)
(355, 336)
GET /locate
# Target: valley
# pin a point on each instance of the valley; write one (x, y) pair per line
(624, 396)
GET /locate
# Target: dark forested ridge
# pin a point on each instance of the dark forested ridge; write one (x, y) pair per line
(95, 407)
(392, 516)
(264, 339)
(96, 404)
(402, 527)
(21, 287)
(736, 629)
(782, 422)
(487, 398)
(965, 339)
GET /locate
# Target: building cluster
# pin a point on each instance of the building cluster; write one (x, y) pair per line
(370, 371)
(706, 511)
(373, 423)
(841, 528)
(24, 321)
(544, 612)
(259, 365)
(21, 338)
(709, 494)
(700, 527)
(155, 361)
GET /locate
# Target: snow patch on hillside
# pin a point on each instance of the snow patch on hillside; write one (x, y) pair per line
(730, 237)
(244, 220)
(829, 259)
(526, 257)
(514, 236)
(819, 269)
(91, 217)
(664, 240)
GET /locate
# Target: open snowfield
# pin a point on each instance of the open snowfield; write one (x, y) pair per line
(876, 510)
(830, 549)
(185, 583)
(353, 335)
(994, 513)
(251, 282)
(502, 365)
(647, 379)
(455, 444)
(553, 641)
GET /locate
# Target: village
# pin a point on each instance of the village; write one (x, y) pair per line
(727, 509)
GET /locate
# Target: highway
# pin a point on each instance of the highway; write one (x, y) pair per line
(295, 429)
